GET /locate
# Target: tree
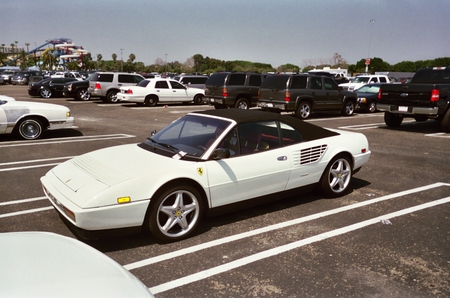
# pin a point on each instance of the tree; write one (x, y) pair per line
(132, 57)
(114, 56)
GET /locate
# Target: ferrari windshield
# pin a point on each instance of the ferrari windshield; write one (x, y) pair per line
(189, 135)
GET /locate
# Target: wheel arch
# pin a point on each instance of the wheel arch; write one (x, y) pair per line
(173, 183)
(308, 99)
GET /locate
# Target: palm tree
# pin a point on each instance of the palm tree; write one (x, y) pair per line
(99, 57)
(132, 57)
(114, 56)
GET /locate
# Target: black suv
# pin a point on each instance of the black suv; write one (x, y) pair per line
(303, 94)
(233, 89)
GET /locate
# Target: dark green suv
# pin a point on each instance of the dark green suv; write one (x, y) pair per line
(233, 89)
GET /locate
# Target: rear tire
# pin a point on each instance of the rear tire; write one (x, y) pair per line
(348, 109)
(445, 122)
(392, 120)
(304, 110)
(111, 97)
(242, 103)
(150, 101)
(83, 94)
(336, 177)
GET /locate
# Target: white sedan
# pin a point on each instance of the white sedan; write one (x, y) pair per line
(30, 119)
(203, 162)
(159, 90)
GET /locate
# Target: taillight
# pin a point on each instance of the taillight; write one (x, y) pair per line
(129, 91)
(287, 96)
(98, 86)
(434, 95)
(379, 94)
(224, 92)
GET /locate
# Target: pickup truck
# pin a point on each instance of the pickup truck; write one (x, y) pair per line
(425, 97)
(304, 94)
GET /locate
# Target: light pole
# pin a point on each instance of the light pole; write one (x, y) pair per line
(370, 43)
(121, 60)
(166, 65)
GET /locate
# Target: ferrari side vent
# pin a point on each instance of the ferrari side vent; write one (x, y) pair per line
(313, 154)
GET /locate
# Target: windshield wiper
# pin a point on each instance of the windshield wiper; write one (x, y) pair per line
(173, 148)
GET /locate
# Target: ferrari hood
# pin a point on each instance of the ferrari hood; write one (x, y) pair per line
(90, 173)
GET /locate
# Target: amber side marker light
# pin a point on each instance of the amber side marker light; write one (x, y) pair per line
(123, 200)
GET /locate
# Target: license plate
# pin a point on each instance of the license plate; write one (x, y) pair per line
(402, 109)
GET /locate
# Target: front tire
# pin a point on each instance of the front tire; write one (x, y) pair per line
(336, 177)
(304, 110)
(198, 99)
(30, 129)
(392, 120)
(175, 214)
(45, 93)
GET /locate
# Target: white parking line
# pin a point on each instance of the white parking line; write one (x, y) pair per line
(65, 140)
(22, 201)
(438, 135)
(25, 212)
(281, 225)
(284, 248)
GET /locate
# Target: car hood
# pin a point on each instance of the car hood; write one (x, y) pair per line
(35, 105)
(89, 174)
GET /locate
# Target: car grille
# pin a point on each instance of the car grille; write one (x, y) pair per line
(313, 154)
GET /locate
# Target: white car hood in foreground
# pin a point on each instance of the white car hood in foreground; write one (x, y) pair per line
(39, 264)
(89, 174)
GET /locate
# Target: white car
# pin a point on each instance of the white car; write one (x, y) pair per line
(30, 119)
(361, 80)
(41, 264)
(159, 90)
(200, 164)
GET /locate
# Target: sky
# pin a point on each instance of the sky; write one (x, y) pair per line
(276, 32)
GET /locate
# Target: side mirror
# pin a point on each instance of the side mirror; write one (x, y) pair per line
(221, 153)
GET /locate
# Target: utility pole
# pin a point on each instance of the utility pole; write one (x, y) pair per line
(166, 65)
(121, 60)
(370, 43)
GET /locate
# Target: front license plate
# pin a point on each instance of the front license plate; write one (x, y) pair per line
(402, 109)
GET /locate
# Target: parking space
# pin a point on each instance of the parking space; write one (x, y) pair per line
(390, 234)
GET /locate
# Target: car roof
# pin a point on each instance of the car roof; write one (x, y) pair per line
(309, 131)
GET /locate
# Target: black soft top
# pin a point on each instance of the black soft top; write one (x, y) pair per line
(309, 131)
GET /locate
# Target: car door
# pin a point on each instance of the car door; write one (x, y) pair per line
(163, 91)
(318, 93)
(179, 92)
(3, 120)
(258, 164)
(332, 95)
(57, 84)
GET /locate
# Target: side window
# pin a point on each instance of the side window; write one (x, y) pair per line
(383, 80)
(137, 79)
(258, 136)
(373, 80)
(254, 80)
(105, 78)
(236, 79)
(316, 83)
(330, 84)
(176, 85)
(289, 135)
(299, 82)
(125, 79)
(161, 85)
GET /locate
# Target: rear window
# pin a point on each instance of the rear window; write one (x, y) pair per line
(429, 75)
(103, 77)
(255, 80)
(275, 82)
(217, 79)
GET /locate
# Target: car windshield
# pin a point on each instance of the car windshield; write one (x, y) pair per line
(190, 135)
(368, 89)
(361, 80)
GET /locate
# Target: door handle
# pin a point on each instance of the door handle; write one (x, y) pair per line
(282, 158)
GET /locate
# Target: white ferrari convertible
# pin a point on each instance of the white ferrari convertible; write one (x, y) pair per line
(200, 164)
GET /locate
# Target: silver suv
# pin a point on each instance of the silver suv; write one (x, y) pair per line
(106, 85)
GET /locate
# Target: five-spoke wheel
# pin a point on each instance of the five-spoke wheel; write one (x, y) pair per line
(336, 178)
(175, 213)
